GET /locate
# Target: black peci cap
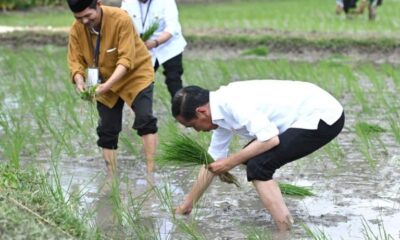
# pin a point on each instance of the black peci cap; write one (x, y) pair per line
(79, 5)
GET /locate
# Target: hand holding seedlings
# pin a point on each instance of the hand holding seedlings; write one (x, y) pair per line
(220, 166)
(89, 93)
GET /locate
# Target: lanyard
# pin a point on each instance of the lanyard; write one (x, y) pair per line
(96, 50)
(145, 16)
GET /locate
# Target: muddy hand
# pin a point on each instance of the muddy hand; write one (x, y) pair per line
(183, 210)
(220, 166)
(80, 86)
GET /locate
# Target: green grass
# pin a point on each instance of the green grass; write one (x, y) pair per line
(311, 16)
(31, 208)
(290, 15)
(34, 18)
(41, 109)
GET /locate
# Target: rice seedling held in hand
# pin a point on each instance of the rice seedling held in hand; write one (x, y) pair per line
(89, 93)
(146, 35)
(180, 149)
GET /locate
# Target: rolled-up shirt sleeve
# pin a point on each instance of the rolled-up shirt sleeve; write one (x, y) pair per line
(219, 145)
(126, 46)
(76, 61)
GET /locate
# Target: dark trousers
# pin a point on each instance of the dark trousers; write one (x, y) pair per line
(294, 143)
(173, 71)
(110, 122)
(348, 4)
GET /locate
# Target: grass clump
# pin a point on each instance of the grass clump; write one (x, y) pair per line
(29, 195)
(258, 51)
(180, 149)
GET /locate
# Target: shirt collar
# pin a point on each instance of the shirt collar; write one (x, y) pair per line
(216, 113)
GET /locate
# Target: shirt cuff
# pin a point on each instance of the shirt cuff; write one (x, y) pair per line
(125, 62)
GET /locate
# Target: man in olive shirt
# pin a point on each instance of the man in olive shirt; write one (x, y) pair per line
(103, 41)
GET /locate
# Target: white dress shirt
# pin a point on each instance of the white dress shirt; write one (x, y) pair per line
(262, 109)
(166, 13)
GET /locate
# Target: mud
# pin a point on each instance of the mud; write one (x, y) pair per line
(346, 195)
(200, 45)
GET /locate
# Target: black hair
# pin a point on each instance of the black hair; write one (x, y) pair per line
(80, 5)
(187, 99)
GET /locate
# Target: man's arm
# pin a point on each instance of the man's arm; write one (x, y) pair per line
(204, 180)
(253, 149)
(118, 73)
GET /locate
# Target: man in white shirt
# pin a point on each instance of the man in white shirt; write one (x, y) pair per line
(167, 43)
(284, 121)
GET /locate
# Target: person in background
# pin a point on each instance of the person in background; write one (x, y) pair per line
(372, 6)
(350, 7)
(283, 120)
(167, 43)
(339, 7)
(103, 42)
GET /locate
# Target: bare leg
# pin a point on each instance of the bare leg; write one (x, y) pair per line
(371, 12)
(272, 199)
(110, 157)
(361, 7)
(149, 145)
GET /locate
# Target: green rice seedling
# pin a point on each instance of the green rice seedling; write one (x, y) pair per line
(317, 234)
(89, 93)
(258, 51)
(394, 127)
(128, 140)
(369, 129)
(293, 190)
(180, 149)
(365, 133)
(257, 233)
(335, 153)
(369, 234)
(150, 31)
(190, 229)
(164, 193)
(15, 137)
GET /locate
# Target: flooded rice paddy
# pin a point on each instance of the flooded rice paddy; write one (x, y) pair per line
(355, 178)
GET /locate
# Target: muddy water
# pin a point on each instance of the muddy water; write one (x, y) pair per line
(345, 196)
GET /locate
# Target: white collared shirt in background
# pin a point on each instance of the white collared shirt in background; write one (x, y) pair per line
(263, 109)
(166, 13)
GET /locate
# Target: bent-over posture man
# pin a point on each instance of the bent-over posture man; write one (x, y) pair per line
(284, 121)
(103, 41)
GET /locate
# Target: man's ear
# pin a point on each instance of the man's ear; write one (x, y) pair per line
(201, 109)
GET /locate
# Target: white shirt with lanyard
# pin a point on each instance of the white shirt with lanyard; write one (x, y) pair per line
(166, 13)
(93, 71)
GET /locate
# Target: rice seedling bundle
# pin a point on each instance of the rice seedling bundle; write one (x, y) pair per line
(182, 150)
(293, 190)
(150, 31)
(89, 93)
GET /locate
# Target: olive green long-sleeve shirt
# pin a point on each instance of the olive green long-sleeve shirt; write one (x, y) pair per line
(119, 44)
